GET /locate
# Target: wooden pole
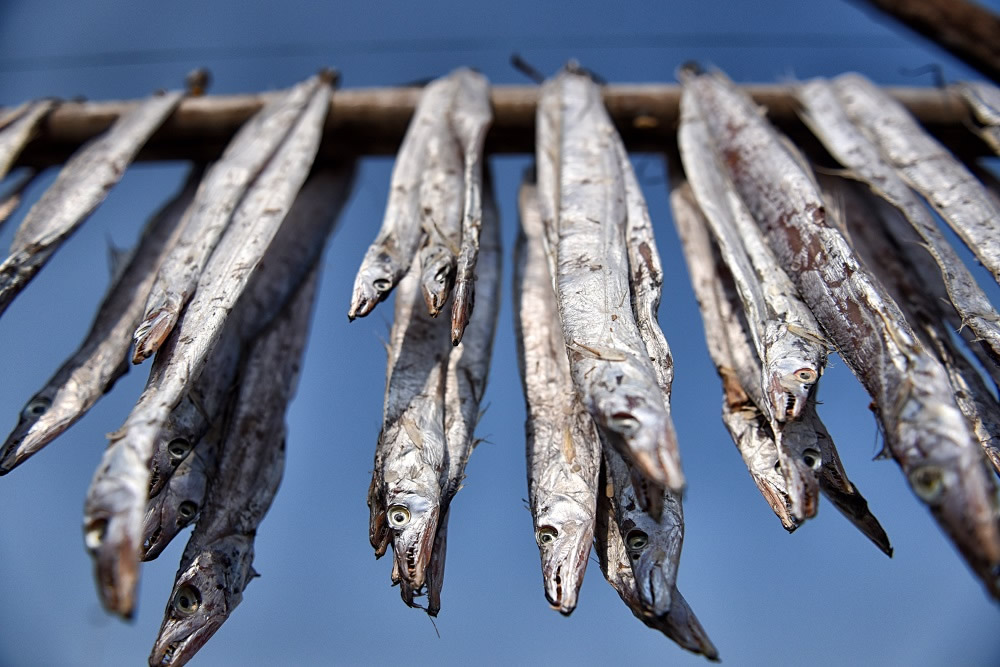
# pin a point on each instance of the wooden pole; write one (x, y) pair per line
(966, 30)
(371, 121)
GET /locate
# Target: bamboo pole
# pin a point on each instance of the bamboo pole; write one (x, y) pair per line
(371, 121)
(966, 30)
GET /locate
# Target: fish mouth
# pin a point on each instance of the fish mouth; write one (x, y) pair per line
(802, 489)
(779, 502)
(655, 576)
(151, 333)
(116, 562)
(412, 548)
(28, 438)
(563, 568)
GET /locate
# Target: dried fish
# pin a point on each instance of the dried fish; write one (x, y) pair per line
(924, 429)
(11, 200)
(81, 186)
(390, 254)
(830, 122)
(926, 166)
(404, 499)
(257, 177)
(983, 99)
(893, 252)
(117, 497)
(440, 214)
(217, 563)
(582, 199)
(471, 119)
(103, 355)
(180, 501)
(19, 131)
(563, 448)
(679, 624)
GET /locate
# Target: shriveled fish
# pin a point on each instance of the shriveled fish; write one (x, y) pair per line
(11, 199)
(983, 99)
(117, 497)
(563, 448)
(81, 186)
(582, 199)
(467, 371)
(440, 202)
(830, 122)
(390, 254)
(103, 355)
(217, 563)
(893, 252)
(925, 165)
(404, 499)
(924, 429)
(679, 624)
(183, 494)
(257, 177)
(471, 118)
(16, 134)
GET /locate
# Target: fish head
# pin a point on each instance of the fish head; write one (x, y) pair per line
(564, 530)
(789, 382)
(204, 595)
(378, 528)
(654, 548)
(46, 414)
(170, 453)
(800, 462)
(173, 509)
(411, 514)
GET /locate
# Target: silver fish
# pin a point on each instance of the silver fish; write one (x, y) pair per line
(926, 166)
(829, 121)
(471, 118)
(924, 429)
(81, 186)
(983, 99)
(11, 199)
(217, 562)
(387, 259)
(103, 355)
(177, 505)
(679, 624)
(248, 182)
(19, 131)
(404, 499)
(562, 446)
(117, 496)
(582, 199)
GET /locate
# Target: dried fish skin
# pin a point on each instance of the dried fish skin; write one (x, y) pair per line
(18, 132)
(440, 215)
(584, 203)
(848, 144)
(405, 495)
(983, 99)
(925, 431)
(217, 562)
(388, 258)
(116, 500)
(264, 164)
(81, 186)
(471, 119)
(679, 624)
(562, 445)
(926, 166)
(102, 357)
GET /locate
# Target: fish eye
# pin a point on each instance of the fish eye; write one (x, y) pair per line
(928, 483)
(806, 375)
(381, 284)
(399, 516)
(546, 535)
(624, 423)
(186, 511)
(178, 448)
(812, 458)
(636, 540)
(187, 600)
(36, 407)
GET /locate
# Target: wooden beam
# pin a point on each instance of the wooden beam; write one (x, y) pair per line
(371, 121)
(967, 30)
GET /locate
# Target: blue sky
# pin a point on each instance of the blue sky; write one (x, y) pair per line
(823, 595)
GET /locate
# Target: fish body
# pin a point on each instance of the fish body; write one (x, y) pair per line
(15, 134)
(81, 186)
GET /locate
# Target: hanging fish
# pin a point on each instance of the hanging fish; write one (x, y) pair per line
(15, 134)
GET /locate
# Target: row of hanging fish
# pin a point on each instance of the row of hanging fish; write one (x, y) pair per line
(787, 268)
(221, 287)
